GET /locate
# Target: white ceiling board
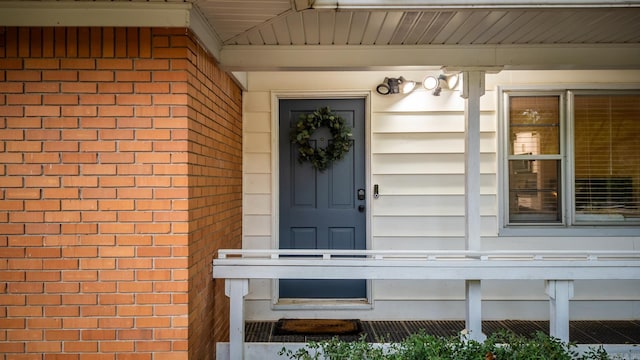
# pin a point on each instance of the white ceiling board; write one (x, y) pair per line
(296, 28)
(268, 35)
(358, 24)
(363, 23)
(523, 28)
(485, 28)
(462, 4)
(281, 30)
(326, 26)
(437, 26)
(372, 29)
(255, 38)
(230, 18)
(422, 24)
(342, 26)
(311, 28)
(554, 23)
(470, 24)
(405, 25)
(388, 27)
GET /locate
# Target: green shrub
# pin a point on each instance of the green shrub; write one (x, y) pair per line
(500, 346)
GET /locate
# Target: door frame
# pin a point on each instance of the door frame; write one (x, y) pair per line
(276, 96)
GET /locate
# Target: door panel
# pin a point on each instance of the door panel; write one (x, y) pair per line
(321, 210)
(342, 238)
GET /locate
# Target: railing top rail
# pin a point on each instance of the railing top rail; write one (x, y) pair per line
(592, 255)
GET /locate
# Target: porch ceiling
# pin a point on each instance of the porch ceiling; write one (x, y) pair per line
(378, 34)
(383, 34)
(277, 22)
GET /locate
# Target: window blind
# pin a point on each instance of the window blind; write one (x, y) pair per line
(607, 157)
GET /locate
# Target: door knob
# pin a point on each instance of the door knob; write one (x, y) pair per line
(361, 208)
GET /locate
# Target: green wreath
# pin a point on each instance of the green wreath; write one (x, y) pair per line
(339, 145)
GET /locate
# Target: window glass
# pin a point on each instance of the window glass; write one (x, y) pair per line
(534, 179)
(534, 195)
(534, 125)
(607, 157)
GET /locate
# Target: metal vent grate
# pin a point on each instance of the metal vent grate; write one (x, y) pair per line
(582, 332)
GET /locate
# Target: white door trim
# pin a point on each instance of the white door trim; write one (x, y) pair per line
(276, 96)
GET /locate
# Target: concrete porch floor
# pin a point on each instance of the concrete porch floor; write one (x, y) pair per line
(581, 332)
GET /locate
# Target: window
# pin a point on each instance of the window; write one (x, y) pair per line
(573, 158)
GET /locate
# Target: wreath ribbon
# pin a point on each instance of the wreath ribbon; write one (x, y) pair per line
(321, 157)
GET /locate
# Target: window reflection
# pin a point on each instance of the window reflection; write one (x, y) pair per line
(534, 128)
(533, 190)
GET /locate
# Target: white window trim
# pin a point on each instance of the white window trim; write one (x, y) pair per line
(566, 228)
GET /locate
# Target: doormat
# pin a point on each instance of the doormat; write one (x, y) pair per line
(317, 327)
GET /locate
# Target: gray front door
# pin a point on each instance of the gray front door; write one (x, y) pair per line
(322, 210)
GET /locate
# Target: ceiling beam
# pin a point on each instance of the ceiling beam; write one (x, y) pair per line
(509, 57)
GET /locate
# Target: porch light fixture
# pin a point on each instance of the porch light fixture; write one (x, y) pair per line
(396, 86)
(444, 81)
(388, 86)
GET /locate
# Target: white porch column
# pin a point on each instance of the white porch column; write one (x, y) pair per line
(473, 310)
(560, 292)
(236, 289)
(473, 89)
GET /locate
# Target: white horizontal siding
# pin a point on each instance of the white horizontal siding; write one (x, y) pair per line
(422, 164)
(427, 143)
(257, 242)
(429, 205)
(446, 121)
(258, 121)
(257, 142)
(255, 102)
(439, 290)
(430, 184)
(423, 103)
(454, 309)
(501, 290)
(257, 163)
(416, 154)
(417, 160)
(439, 226)
(257, 180)
(562, 243)
(257, 225)
(424, 290)
(257, 204)
(257, 184)
(418, 243)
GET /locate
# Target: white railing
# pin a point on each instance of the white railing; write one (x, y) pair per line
(557, 268)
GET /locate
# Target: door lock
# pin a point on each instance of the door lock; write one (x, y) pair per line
(360, 194)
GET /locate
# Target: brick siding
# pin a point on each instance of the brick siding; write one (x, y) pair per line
(120, 176)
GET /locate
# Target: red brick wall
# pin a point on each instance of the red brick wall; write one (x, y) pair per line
(215, 193)
(119, 178)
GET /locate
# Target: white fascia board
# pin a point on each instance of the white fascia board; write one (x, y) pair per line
(204, 32)
(117, 14)
(84, 13)
(464, 4)
(241, 79)
(342, 58)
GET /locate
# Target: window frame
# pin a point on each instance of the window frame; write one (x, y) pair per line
(559, 157)
(567, 225)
